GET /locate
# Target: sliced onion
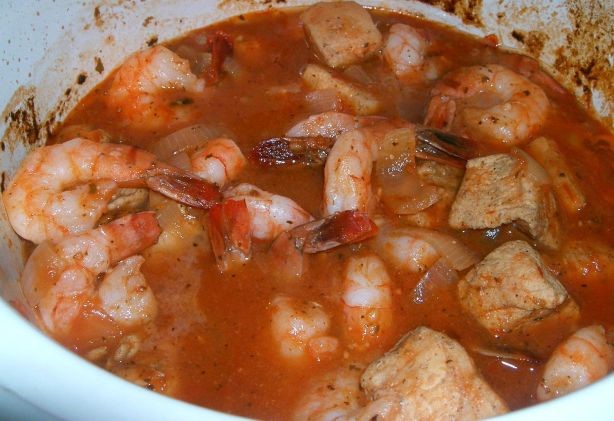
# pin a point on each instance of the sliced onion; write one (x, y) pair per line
(199, 60)
(177, 219)
(323, 100)
(396, 151)
(532, 167)
(180, 160)
(407, 194)
(503, 355)
(440, 275)
(183, 139)
(402, 189)
(358, 74)
(456, 254)
(231, 66)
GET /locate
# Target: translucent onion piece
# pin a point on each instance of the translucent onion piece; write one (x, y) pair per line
(396, 151)
(532, 168)
(455, 254)
(231, 66)
(183, 139)
(440, 275)
(402, 189)
(323, 100)
(504, 355)
(180, 160)
(358, 74)
(177, 219)
(199, 60)
(170, 216)
(407, 194)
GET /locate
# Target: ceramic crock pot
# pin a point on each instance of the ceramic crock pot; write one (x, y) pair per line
(53, 53)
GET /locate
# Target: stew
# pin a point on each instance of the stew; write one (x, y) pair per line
(370, 178)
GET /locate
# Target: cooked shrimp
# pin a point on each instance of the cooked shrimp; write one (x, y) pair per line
(270, 214)
(64, 188)
(582, 359)
(404, 51)
(327, 124)
(218, 161)
(367, 300)
(249, 212)
(488, 103)
(124, 293)
(301, 328)
(142, 87)
(59, 280)
(288, 250)
(347, 173)
(406, 252)
(333, 396)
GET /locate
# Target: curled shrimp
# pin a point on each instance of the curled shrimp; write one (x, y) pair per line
(219, 161)
(367, 300)
(59, 280)
(332, 396)
(489, 103)
(289, 248)
(347, 173)
(404, 51)
(270, 214)
(349, 165)
(404, 251)
(309, 141)
(151, 89)
(64, 188)
(327, 124)
(249, 212)
(301, 328)
(582, 359)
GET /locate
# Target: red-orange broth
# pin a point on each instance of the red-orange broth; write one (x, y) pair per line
(211, 339)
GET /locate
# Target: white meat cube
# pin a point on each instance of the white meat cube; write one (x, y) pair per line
(432, 378)
(342, 33)
(510, 288)
(500, 189)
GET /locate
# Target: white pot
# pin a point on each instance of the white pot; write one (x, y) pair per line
(45, 46)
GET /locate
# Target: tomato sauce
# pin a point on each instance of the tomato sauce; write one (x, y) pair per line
(212, 338)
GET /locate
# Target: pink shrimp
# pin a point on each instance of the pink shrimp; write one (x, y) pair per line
(141, 87)
(488, 103)
(580, 360)
(367, 300)
(64, 188)
(59, 280)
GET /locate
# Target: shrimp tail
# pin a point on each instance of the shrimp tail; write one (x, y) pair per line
(230, 232)
(341, 228)
(220, 45)
(288, 151)
(444, 147)
(184, 188)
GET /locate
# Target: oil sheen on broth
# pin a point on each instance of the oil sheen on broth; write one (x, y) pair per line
(213, 340)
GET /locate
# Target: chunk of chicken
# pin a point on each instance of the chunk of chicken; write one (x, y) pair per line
(342, 33)
(505, 188)
(432, 378)
(509, 288)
